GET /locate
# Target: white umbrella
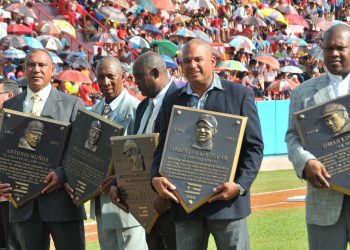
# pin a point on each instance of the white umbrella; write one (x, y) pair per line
(138, 42)
(50, 42)
(291, 69)
(197, 4)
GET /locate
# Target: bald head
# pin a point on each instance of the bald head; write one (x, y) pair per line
(150, 73)
(336, 49)
(197, 42)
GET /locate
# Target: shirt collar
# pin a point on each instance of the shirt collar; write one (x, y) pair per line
(115, 103)
(43, 93)
(216, 83)
(335, 78)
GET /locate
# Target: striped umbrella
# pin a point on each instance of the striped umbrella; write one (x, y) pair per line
(105, 38)
(55, 58)
(242, 42)
(33, 42)
(50, 42)
(184, 32)
(273, 14)
(254, 21)
(202, 35)
(151, 28)
(14, 54)
(113, 14)
(267, 59)
(297, 41)
(197, 4)
(13, 41)
(48, 28)
(138, 42)
(232, 65)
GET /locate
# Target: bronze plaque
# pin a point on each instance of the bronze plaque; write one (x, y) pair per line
(201, 152)
(133, 157)
(87, 161)
(325, 132)
(30, 147)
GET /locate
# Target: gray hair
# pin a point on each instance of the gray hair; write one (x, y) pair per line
(110, 60)
(10, 86)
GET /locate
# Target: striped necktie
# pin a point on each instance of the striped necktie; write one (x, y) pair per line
(36, 109)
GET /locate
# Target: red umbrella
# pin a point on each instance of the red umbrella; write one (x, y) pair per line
(73, 76)
(19, 29)
(48, 28)
(296, 20)
(267, 59)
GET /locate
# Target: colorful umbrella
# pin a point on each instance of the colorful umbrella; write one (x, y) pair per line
(291, 69)
(113, 14)
(70, 56)
(232, 65)
(19, 29)
(267, 59)
(55, 58)
(165, 47)
(138, 42)
(181, 19)
(273, 14)
(48, 28)
(254, 21)
(147, 5)
(164, 5)
(151, 28)
(65, 26)
(288, 61)
(105, 38)
(50, 42)
(288, 9)
(170, 63)
(184, 32)
(33, 42)
(73, 76)
(80, 63)
(297, 20)
(287, 84)
(13, 41)
(22, 10)
(297, 41)
(202, 35)
(14, 54)
(242, 42)
(121, 3)
(197, 4)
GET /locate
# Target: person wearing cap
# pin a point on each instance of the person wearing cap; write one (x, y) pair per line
(94, 135)
(32, 135)
(205, 131)
(337, 118)
(133, 153)
(327, 211)
(225, 214)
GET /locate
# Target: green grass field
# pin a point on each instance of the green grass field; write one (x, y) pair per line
(276, 229)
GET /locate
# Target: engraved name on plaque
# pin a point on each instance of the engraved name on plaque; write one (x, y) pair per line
(30, 147)
(87, 161)
(201, 152)
(325, 132)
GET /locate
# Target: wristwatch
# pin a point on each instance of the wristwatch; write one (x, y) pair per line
(241, 189)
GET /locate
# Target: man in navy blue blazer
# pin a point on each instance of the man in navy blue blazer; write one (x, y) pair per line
(153, 81)
(225, 214)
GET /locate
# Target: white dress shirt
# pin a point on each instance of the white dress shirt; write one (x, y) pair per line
(339, 85)
(28, 101)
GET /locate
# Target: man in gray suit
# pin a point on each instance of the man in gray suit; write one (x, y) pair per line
(327, 211)
(116, 228)
(53, 213)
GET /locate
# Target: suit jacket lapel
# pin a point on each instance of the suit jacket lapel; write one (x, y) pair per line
(324, 91)
(51, 102)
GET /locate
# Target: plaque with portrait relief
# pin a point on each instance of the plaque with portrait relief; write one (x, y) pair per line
(133, 156)
(87, 160)
(30, 147)
(201, 151)
(325, 132)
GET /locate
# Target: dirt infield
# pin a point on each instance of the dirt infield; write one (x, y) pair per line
(261, 201)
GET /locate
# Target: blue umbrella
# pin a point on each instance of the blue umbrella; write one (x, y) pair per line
(202, 35)
(170, 63)
(151, 28)
(33, 43)
(147, 5)
(55, 58)
(14, 54)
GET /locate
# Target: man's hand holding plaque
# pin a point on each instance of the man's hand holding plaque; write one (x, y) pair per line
(316, 173)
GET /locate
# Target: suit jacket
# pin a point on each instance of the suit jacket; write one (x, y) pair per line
(323, 206)
(56, 206)
(232, 99)
(113, 217)
(142, 108)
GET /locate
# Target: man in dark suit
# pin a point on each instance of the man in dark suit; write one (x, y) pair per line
(153, 81)
(225, 214)
(54, 212)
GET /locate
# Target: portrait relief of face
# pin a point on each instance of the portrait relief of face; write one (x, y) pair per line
(134, 156)
(93, 136)
(336, 118)
(205, 131)
(32, 136)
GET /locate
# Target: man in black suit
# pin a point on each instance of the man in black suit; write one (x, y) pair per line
(153, 81)
(225, 214)
(53, 213)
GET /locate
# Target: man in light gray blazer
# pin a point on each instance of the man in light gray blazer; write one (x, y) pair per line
(327, 211)
(116, 228)
(53, 213)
